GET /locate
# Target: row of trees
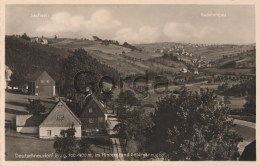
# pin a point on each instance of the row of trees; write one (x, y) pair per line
(115, 42)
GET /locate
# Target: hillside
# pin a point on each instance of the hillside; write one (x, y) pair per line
(125, 60)
(88, 45)
(211, 52)
(27, 58)
(150, 56)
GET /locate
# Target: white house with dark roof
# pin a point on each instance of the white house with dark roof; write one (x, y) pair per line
(60, 118)
(49, 125)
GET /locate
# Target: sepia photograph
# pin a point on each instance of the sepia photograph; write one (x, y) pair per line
(129, 82)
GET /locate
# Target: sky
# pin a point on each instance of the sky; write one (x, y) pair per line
(207, 24)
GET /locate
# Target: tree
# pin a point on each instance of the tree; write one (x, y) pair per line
(24, 36)
(227, 100)
(35, 106)
(96, 38)
(92, 71)
(66, 144)
(223, 87)
(127, 98)
(106, 96)
(250, 105)
(133, 125)
(84, 146)
(191, 127)
(17, 79)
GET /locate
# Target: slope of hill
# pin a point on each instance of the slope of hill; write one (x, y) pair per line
(89, 45)
(26, 58)
(211, 52)
(150, 57)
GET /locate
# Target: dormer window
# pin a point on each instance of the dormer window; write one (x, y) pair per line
(90, 110)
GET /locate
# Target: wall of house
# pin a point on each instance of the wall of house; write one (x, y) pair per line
(98, 123)
(53, 90)
(43, 131)
(45, 84)
(43, 90)
(28, 130)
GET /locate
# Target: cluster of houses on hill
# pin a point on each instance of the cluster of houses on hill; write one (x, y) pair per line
(41, 40)
(92, 118)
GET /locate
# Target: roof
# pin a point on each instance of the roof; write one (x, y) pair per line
(55, 123)
(69, 110)
(98, 104)
(36, 75)
(93, 103)
(29, 120)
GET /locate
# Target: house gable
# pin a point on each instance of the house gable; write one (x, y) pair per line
(93, 109)
(60, 116)
(45, 79)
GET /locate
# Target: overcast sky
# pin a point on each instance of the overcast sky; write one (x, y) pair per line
(136, 23)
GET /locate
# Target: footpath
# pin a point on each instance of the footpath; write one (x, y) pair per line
(117, 149)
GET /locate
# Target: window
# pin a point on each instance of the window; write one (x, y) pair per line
(59, 117)
(48, 132)
(91, 120)
(90, 110)
(42, 81)
(47, 81)
(37, 86)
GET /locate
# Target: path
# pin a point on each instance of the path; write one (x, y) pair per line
(244, 123)
(247, 131)
(117, 149)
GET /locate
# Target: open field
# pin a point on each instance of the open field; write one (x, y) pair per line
(237, 102)
(210, 51)
(71, 44)
(135, 62)
(237, 71)
(15, 104)
(19, 145)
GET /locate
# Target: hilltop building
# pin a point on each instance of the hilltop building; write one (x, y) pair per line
(41, 84)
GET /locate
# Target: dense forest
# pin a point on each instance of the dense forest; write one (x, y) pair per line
(25, 58)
